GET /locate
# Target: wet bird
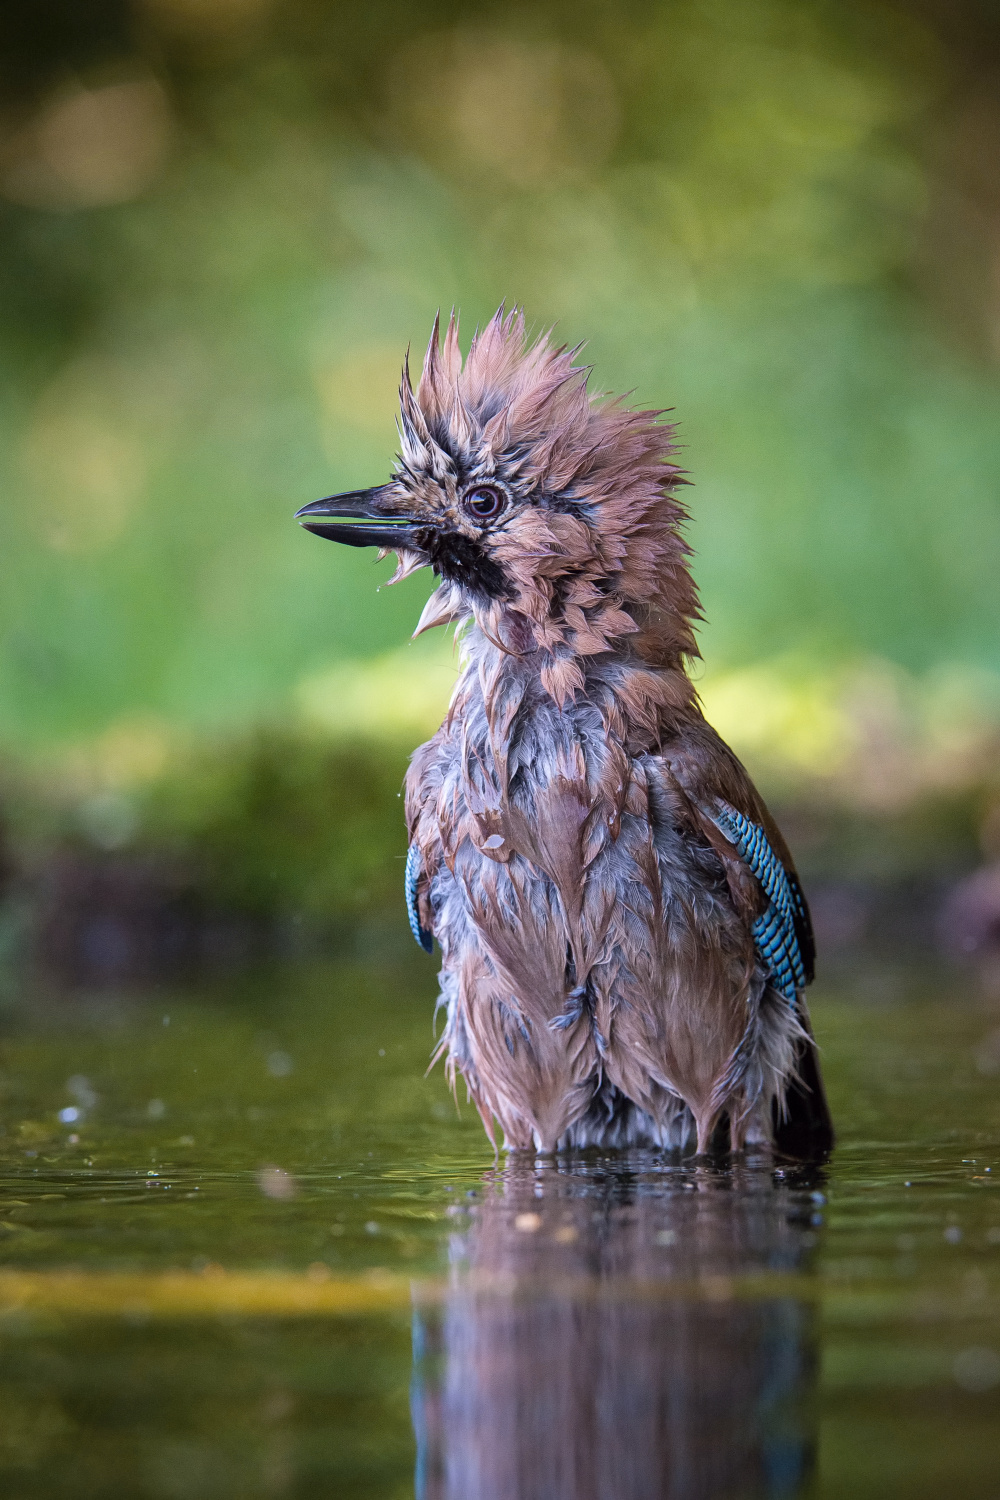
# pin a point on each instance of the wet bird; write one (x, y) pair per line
(624, 938)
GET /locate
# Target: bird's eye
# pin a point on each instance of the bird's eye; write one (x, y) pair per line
(483, 502)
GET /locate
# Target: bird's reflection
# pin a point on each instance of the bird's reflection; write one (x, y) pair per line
(616, 1330)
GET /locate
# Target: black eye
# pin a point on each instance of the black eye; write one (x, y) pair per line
(483, 502)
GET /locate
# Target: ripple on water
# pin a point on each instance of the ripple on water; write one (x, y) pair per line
(262, 1227)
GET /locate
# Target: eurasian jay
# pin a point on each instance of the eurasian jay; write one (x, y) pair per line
(624, 938)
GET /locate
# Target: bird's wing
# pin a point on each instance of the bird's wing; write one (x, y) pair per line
(412, 879)
(724, 807)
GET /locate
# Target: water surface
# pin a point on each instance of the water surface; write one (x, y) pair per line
(248, 1249)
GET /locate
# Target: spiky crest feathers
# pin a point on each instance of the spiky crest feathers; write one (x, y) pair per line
(595, 557)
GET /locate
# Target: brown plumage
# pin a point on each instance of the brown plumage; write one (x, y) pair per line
(603, 979)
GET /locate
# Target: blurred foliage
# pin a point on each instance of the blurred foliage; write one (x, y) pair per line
(223, 221)
(286, 827)
(289, 830)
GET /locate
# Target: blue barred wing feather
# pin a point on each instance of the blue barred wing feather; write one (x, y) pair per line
(420, 934)
(782, 933)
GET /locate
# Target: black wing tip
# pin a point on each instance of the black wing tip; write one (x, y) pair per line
(804, 1130)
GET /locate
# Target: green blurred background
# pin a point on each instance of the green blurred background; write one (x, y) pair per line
(222, 221)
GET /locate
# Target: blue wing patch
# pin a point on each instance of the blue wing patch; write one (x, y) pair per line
(774, 932)
(420, 934)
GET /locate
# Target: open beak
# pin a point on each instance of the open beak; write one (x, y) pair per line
(361, 518)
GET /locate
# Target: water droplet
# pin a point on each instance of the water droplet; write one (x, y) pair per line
(275, 1182)
(81, 1090)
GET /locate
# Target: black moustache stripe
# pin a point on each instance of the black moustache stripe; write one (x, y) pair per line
(462, 560)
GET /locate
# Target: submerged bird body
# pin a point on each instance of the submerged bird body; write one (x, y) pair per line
(623, 937)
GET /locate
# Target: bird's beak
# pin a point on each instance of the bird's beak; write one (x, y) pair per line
(361, 518)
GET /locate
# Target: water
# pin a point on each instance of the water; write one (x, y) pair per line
(248, 1249)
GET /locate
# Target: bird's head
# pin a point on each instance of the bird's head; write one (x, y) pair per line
(550, 515)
